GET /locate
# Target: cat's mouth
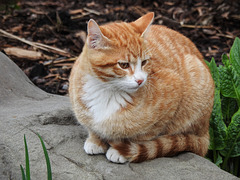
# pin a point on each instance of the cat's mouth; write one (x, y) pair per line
(134, 89)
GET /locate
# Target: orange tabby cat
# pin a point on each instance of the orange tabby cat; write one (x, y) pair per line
(142, 91)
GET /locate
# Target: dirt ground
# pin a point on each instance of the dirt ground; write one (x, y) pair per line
(53, 32)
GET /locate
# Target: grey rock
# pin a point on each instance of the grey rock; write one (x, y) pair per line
(25, 109)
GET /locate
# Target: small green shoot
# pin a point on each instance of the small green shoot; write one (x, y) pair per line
(26, 176)
(49, 171)
(23, 173)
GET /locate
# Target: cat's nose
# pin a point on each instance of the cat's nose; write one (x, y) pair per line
(139, 81)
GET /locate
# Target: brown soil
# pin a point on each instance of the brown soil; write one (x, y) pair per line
(211, 25)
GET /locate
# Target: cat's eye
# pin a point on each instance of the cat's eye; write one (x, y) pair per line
(123, 65)
(144, 62)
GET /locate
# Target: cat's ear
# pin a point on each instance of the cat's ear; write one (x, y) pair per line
(95, 39)
(144, 23)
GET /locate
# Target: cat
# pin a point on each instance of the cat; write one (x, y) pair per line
(142, 91)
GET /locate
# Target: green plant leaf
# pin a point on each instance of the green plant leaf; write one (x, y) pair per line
(23, 173)
(225, 138)
(232, 148)
(219, 160)
(225, 60)
(49, 171)
(217, 129)
(27, 159)
(230, 74)
(215, 74)
(226, 82)
(229, 108)
(235, 55)
(208, 63)
(236, 84)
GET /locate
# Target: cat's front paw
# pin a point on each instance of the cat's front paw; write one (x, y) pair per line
(114, 156)
(92, 148)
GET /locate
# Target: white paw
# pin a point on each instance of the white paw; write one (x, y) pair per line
(91, 148)
(114, 156)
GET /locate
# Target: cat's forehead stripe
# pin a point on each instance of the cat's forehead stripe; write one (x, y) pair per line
(131, 58)
(123, 35)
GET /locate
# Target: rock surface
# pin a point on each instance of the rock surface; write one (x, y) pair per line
(25, 109)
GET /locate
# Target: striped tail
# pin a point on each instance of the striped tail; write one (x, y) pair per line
(167, 145)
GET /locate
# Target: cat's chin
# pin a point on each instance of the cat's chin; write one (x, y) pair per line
(132, 90)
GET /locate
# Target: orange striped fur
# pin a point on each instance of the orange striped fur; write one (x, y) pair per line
(142, 91)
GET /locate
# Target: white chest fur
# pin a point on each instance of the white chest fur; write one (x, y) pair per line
(103, 99)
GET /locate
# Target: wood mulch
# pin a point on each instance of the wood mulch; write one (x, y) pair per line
(44, 37)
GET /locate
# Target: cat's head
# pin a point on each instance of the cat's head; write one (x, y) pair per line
(118, 52)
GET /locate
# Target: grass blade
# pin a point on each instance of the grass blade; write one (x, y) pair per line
(23, 173)
(27, 160)
(49, 171)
